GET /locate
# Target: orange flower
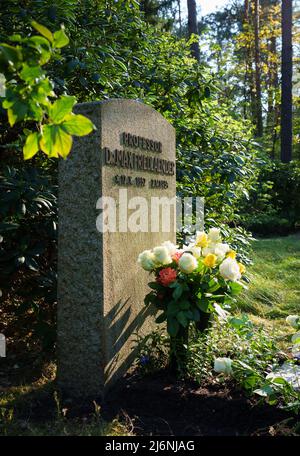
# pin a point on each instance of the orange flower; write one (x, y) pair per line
(166, 276)
(176, 256)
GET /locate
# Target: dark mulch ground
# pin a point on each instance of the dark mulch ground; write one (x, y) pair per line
(154, 405)
(161, 405)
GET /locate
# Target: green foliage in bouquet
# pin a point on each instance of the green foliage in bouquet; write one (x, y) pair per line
(192, 283)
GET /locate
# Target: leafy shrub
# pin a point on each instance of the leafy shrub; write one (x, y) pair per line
(265, 224)
(274, 203)
(237, 339)
(28, 247)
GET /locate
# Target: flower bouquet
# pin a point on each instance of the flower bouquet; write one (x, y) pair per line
(191, 283)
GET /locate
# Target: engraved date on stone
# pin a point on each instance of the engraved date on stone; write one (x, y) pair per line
(130, 180)
(157, 183)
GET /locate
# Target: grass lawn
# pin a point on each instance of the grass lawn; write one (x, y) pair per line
(274, 291)
(33, 407)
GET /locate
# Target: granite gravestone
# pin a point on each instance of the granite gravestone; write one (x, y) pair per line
(129, 159)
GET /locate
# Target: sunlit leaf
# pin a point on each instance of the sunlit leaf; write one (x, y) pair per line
(61, 108)
(31, 146)
(17, 112)
(55, 141)
(63, 142)
(30, 73)
(42, 30)
(60, 39)
(78, 125)
(47, 140)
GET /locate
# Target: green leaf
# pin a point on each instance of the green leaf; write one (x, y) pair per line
(78, 125)
(12, 54)
(17, 112)
(43, 30)
(30, 73)
(47, 140)
(235, 288)
(213, 285)
(203, 304)
(184, 304)
(196, 314)
(8, 103)
(42, 45)
(41, 91)
(250, 381)
(63, 142)
(177, 291)
(149, 298)
(121, 65)
(31, 145)
(279, 381)
(61, 108)
(236, 322)
(161, 318)
(265, 391)
(173, 308)
(172, 326)
(181, 317)
(60, 39)
(55, 141)
(154, 285)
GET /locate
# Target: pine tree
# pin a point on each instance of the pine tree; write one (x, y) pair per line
(286, 81)
(193, 26)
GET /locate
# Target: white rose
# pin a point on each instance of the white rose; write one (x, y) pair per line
(201, 239)
(221, 250)
(223, 365)
(296, 338)
(210, 249)
(172, 248)
(229, 270)
(187, 263)
(147, 260)
(214, 235)
(293, 320)
(162, 255)
(196, 251)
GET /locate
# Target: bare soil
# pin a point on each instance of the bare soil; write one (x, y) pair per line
(161, 405)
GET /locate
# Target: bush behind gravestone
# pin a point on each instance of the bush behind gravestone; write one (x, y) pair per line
(274, 203)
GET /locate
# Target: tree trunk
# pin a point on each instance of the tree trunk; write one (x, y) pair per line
(246, 10)
(247, 53)
(179, 18)
(275, 84)
(286, 82)
(258, 104)
(193, 27)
